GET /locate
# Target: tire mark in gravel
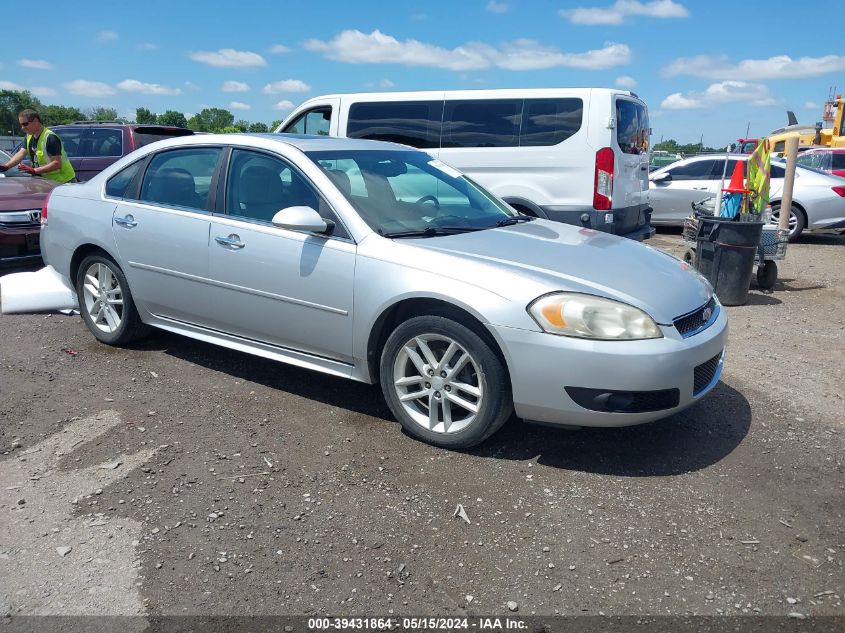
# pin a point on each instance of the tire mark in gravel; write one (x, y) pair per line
(100, 574)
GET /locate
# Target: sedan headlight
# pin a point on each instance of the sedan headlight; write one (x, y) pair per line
(586, 316)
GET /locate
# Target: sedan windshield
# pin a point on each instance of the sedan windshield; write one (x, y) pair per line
(409, 194)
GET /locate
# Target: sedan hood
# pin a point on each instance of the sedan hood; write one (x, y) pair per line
(561, 257)
(17, 194)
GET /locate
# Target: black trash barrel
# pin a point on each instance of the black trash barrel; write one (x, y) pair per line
(724, 254)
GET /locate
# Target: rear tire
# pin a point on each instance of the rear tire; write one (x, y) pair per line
(797, 221)
(444, 383)
(105, 302)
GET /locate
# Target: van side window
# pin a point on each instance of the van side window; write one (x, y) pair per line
(487, 123)
(314, 121)
(550, 121)
(414, 123)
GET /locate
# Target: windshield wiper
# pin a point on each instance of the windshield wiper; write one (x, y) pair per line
(516, 219)
(432, 231)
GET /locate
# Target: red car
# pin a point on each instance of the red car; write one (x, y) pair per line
(21, 200)
(829, 159)
(94, 145)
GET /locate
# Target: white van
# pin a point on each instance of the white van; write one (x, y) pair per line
(576, 155)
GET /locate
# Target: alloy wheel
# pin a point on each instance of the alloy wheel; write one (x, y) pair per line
(438, 383)
(103, 298)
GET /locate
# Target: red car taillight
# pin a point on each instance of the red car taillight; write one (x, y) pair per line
(44, 210)
(839, 190)
(603, 185)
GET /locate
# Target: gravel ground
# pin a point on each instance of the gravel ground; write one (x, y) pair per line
(189, 479)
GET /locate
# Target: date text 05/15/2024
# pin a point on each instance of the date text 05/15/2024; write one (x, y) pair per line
(416, 624)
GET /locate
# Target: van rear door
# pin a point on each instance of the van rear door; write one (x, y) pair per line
(630, 186)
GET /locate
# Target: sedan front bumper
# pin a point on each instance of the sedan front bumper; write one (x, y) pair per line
(542, 366)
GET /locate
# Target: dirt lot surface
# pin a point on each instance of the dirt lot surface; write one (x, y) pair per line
(175, 477)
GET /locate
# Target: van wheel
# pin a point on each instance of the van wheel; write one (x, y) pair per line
(105, 301)
(444, 383)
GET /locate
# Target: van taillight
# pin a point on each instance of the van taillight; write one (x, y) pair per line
(44, 209)
(603, 186)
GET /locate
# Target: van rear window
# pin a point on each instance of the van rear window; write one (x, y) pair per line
(632, 131)
(550, 121)
(149, 134)
(414, 123)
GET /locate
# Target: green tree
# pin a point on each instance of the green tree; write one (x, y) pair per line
(275, 124)
(145, 117)
(242, 125)
(211, 120)
(101, 113)
(258, 127)
(59, 115)
(171, 117)
(11, 103)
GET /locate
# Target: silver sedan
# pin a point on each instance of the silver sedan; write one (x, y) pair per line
(377, 263)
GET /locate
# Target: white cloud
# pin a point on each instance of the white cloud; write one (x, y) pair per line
(235, 86)
(286, 85)
(497, 7)
(777, 67)
(279, 48)
(147, 46)
(811, 105)
(37, 64)
(284, 105)
(8, 85)
(622, 9)
(43, 91)
(626, 82)
(106, 36)
(89, 88)
(239, 105)
(133, 85)
(355, 47)
(720, 93)
(229, 58)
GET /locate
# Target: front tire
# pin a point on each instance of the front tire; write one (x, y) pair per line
(105, 301)
(444, 383)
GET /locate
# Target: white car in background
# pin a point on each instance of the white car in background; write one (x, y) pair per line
(818, 199)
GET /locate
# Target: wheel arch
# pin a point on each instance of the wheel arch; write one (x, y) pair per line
(523, 205)
(80, 254)
(797, 205)
(402, 310)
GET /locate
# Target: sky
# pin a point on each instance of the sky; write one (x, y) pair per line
(708, 71)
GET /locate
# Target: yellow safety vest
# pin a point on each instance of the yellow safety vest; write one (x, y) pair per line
(65, 172)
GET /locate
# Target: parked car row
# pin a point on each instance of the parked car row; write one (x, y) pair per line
(382, 264)
(818, 198)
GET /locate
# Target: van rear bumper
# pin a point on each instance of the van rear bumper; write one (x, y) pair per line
(637, 216)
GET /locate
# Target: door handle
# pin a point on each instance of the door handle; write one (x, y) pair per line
(232, 241)
(128, 222)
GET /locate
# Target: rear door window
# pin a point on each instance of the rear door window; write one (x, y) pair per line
(105, 142)
(838, 161)
(73, 140)
(550, 121)
(118, 185)
(414, 123)
(180, 178)
(632, 127)
(489, 123)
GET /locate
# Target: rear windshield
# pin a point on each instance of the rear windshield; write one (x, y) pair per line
(632, 131)
(150, 134)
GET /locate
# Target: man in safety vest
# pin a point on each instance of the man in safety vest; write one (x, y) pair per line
(45, 151)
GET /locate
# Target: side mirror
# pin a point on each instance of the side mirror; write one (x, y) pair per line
(300, 219)
(661, 177)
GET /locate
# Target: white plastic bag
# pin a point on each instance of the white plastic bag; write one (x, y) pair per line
(40, 291)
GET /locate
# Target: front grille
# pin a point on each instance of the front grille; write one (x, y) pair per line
(704, 374)
(694, 322)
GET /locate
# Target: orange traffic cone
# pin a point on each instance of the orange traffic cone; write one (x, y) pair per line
(737, 179)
